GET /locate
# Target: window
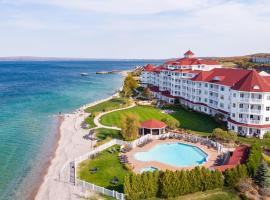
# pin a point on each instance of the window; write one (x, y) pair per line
(222, 88)
(267, 119)
(205, 85)
(242, 95)
(241, 105)
(267, 108)
(268, 97)
(240, 115)
(234, 105)
(234, 94)
(233, 114)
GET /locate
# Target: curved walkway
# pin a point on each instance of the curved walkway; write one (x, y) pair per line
(97, 118)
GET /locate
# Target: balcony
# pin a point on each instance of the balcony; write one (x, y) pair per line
(252, 111)
(249, 121)
(250, 100)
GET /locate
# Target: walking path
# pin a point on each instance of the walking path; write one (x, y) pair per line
(97, 118)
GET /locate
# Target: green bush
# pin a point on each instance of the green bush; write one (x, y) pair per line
(227, 136)
(262, 176)
(266, 135)
(171, 123)
(234, 175)
(170, 184)
(254, 158)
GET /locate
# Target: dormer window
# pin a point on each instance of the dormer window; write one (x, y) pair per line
(256, 87)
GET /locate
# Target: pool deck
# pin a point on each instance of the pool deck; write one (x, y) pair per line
(138, 165)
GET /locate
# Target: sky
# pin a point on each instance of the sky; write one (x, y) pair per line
(133, 28)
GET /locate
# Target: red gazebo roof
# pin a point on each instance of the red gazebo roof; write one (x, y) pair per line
(153, 124)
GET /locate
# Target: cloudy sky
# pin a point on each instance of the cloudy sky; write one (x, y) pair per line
(133, 28)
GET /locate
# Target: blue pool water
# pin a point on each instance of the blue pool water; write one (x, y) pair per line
(31, 93)
(148, 169)
(174, 154)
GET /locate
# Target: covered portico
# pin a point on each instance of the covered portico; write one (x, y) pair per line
(153, 127)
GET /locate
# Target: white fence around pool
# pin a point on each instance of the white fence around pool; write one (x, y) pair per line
(99, 189)
(140, 141)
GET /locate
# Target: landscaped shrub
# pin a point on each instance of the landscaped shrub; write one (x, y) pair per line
(170, 184)
(266, 135)
(226, 136)
(141, 186)
(171, 122)
(262, 176)
(254, 158)
(234, 175)
(130, 127)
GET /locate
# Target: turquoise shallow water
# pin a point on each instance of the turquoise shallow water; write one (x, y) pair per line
(174, 154)
(31, 93)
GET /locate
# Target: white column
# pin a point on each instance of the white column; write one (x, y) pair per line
(151, 131)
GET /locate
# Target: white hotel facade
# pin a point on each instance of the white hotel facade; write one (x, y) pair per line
(241, 96)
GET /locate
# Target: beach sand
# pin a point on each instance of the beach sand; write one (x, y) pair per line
(71, 145)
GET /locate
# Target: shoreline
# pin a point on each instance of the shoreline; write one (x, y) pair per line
(44, 172)
(69, 144)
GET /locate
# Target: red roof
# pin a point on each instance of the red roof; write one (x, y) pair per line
(152, 124)
(149, 68)
(239, 156)
(223, 76)
(253, 82)
(191, 61)
(189, 53)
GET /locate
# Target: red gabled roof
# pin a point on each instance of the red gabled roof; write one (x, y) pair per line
(191, 61)
(253, 82)
(189, 53)
(152, 124)
(223, 76)
(149, 68)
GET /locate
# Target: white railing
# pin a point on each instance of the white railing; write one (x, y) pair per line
(99, 189)
(142, 140)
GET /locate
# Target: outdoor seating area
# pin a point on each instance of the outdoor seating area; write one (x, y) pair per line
(123, 159)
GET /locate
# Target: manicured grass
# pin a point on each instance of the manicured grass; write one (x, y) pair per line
(108, 166)
(103, 133)
(194, 121)
(262, 142)
(90, 121)
(107, 105)
(143, 112)
(200, 123)
(219, 194)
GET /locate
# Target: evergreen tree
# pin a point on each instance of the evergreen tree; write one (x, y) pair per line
(262, 176)
(254, 158)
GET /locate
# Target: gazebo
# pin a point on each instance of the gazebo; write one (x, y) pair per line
(153, 127)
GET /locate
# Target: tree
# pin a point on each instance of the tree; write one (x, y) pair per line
(228, 136)
(129, 127)
(146, 93)
(262, 176)
(171, 122)
(266, 135)
(129, 85)
(254, 158)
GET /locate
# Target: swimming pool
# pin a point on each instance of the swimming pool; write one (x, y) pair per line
(174, 154)
(148, 169)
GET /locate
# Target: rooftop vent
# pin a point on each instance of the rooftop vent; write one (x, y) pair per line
(256, 87)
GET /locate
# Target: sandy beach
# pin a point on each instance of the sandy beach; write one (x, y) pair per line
(71, 144)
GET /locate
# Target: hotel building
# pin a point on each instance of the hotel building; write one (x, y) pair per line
(241, 96)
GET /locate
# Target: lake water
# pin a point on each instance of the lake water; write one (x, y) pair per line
(31, 94)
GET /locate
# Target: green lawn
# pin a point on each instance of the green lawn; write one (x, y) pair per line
(103, 133)
(143, 112)
(262, 142)
(200, 123)
(108, 166)
(219, 194)
(107, 105)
